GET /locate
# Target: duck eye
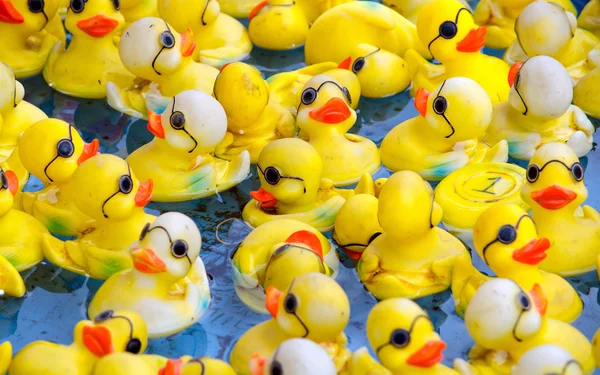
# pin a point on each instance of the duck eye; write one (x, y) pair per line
(167, 39)
(440, 104)
(347, 94)
(358, 65)
(448, 30)
(533, 173)
(77, 6)
(134, 346)
(374, 236)
(4, 180)
(400, 338)
(308, 96)
(179, 249)
(65, 148)
(145, 231)
(104, 316)
(177, 120)
(577, 171)
(276, 368)
(272, 176)
(524, 301)
(125, 184)
(507, 234)
(290, 304)
(35, 6)
(116, 4)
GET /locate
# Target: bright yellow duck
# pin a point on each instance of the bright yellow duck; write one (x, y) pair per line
(448, 30)
(586, 93)
(275, 253)
(596, 348)
(404, 340)
(28, 31)
(413, 257)
(220, 38)
(314, 307)
(127, 364)
(91, 60)
(588, 18)
(253, 119)
(133, 10)
(446, 137)
(548, 359)
(106, 190)
(278, 25)
(410, 9)
(180, 159)
(295, 357)
(111, 332)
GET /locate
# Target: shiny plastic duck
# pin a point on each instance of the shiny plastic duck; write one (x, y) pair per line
(413, 257)
(596, 348)
(325, 117)
(539, 111)
(91, 60)
(295, 357)
(410, 9)
(586, 93)
(555, 189)
(253, 119)
(127, 364)
(404, 340)
(443, 139)
(168, 285)
(335, 34)
(220, 38)
(180, 159)
(133, 10)
(275, 253)
(28, 31)
(278, 25)
(588, 18)
(448, 30)
(314, 307)
(548, 359)
(52, 150)
(506, 322)
(111, 332)
(105, 189)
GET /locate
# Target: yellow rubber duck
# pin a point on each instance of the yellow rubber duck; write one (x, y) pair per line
(111, 332)
(275, 253)
(588, 18)
(133, 10)
(596, 348)
(312, 8)
(314, 307)
(220, 38)
(555, 189)
(586, 93)
(253, 119)
(404, 339)
(295, 357)
(548, 359)
(11, 285)
(166, 257)
(506, 322)
(52, 150)
(539, 111)
(448, 30)
(325, 117)
(333, 36)
(127, 364)
(412, 257)
(238, 8)
(410, 9)
(105, 189)
(180, 159)
(91, 60)
(443, 139)
(278, 25)
(28, 31)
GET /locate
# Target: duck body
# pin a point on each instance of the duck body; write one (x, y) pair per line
(147, 364)
(546, 359)
(133, 10)
(282, 18)
(585, 93)
(588, 17)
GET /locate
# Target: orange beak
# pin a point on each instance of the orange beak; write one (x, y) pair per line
(172, 367)
(97, 340)
(98, 26)
(13, 182)
(333, 112)
(89, 150)
(146, 261)
(272, 300)
(354, 255)
(144, 193)
(429, 355)
(539, 299)
(532, 253)
(308, 238)
(8, 13)
(474, 41)
(421, 101)
(257, 364)
(266, 199)
(553, 197)
(512, 73)
(346, 63)
(188, 45)
(155, 125)
(257, 8)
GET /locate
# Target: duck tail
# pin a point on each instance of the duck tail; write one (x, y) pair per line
(365, 185)
(6, 351)
(498, 153)
(466, 279)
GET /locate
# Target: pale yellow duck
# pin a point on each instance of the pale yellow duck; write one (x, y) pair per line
(589, 18)
(151, 364)
(134, 10)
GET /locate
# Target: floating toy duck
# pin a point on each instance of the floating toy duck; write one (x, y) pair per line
(548, 359)
(180, 159)
(586, 93)
(588, 18)
(539, 111)
(126, 364)
(111, 332)
(104, 188)
(238, 8)
(410, 9)
(443, 140)
(325, 117)
(219, 38)
(91, 60)
(52, 150)
(295, 357)
(253, 119)
(596, 348)
(448, 30)
(164, 258)
(278, 25)
(335, 34)
(133, 10)
(413, 257)
(275, 253)
(555, 189)
(11, 285)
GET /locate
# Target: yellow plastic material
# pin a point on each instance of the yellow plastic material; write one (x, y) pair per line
(127, 364)
(588, 17)
(278, 25)
(410, 9)
(238, 8)
(548, 359)
(586, 93)
(134, 10)
(596, 348)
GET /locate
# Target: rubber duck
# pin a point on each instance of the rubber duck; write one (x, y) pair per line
(28, 31)
(555, 189)
(596, 348)
(546, 28)
(126, 364)
(11, 285)
(253, 119)
(220, 38)
(404, 339)
(539, 111)
(333, 36)
(111, 332)
(52, 150)
(448, 30)
(180, 159)
(91, 60)
(165, 255)
(586, 93)
(325, 117)
(588, 18)
(506, 322)
(548, 359)
(410, 9)
(442, 139)
(133, 10)
(412, 257)
(295, 357)
(105, 189)
(278, 25)
(275, 253)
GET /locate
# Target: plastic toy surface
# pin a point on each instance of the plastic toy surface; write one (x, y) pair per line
(596, 348)
(539, 111)
(134, 10)
(126, 364)
(105, 189)
(295, 357)
(588, 18)
(180, 159)
(586, 93)
(238, 8)
(548, 359)
(278, 25)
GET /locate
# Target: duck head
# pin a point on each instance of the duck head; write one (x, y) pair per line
(11, 90)
(548, 359)
(94, 19)
(295, 357)
(9, 186)
(555, 179)
(196, 366)
(183, 13)
(31, 15)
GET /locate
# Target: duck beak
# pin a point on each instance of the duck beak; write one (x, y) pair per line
(97, 340)
(353, 255)
(421, 101)
(474, 41)
(146, 261)
(257, 9)
(89, 150)
(512, 73)
(272, 300)
(333, 112)
(155, 125)
(532, 253)
(144, 193)
(429, 355)
(188, 45)
(308, 238)
(257, 364)
(172, 367)
(539, 299)
(8, 13)
(266, 199)
(13, 182)
(346, 63)
(553, 197)
(98, 26)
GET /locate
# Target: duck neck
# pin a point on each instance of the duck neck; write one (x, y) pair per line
(88, 359)
(523, 274)
(552, 217)
(161, 146)
(532, 123)
(152, 282)
(85, 45)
